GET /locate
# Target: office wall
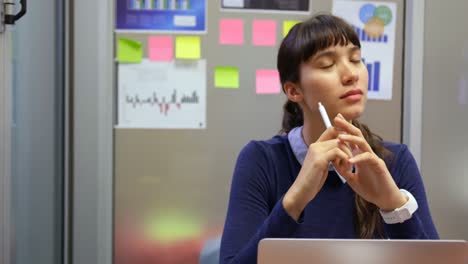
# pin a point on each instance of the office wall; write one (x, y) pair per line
(445, 115)
(172, 186)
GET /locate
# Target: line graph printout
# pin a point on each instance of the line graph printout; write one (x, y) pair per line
(168, 95)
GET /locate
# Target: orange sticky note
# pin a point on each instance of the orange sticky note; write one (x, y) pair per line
(264, 32)
(267, 82)
(161, 48)
(231, 32)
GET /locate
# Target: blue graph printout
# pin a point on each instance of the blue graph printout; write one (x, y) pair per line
(161, 16)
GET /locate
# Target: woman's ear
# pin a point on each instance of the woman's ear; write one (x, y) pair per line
(293, 92)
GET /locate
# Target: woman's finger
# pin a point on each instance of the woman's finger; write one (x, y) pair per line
(324, 146)
(342, 165)
(345, 148)
(329, 133)
(335, 154)
(365, 157)
(360, 142)
(342, 124)
(344, 168)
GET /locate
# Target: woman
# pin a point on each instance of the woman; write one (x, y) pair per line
(285, 188)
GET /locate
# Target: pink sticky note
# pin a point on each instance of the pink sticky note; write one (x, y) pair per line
(161, 48)
(264, 32)
(268, 82)
(231, 31)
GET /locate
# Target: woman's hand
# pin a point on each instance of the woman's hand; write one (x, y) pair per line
(314, 171)
(371, 178)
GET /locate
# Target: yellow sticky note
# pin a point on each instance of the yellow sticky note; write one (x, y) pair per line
(129, 50)
(287, 25)
(188, 47)
(226, 77)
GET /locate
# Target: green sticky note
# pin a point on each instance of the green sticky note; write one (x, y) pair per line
(226, 77)
(129, 50)
(188, 47)
(287, 25)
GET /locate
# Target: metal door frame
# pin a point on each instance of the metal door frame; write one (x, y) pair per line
(413, 76)
(5, 145)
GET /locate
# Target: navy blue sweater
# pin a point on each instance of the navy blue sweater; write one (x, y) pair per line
(263, 174)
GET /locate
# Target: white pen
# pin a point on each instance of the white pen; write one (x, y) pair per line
(324, 115)
(326, 121)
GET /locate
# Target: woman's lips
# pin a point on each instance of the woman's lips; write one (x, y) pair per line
(355, 97)
(352, 95)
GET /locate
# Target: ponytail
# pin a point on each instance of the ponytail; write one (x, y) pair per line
(292, 117)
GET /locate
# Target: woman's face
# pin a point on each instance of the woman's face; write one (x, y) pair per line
(338, 78)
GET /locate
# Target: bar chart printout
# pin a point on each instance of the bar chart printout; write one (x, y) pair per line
(375, 24)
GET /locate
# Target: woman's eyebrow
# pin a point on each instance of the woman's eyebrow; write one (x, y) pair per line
(354, 49)
(326, 53)
(332, 53)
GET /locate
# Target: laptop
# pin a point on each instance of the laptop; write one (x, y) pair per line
(346, 251)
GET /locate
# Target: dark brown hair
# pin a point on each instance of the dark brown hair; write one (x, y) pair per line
(303, 41)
